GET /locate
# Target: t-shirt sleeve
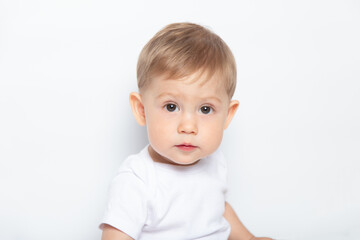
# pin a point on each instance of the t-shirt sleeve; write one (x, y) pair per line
(127, 204)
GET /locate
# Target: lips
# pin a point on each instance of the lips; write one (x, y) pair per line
(186, 147)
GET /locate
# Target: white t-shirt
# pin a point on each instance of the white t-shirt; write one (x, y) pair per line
(157, 201)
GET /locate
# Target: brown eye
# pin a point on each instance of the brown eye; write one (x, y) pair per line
(171, 107)
(206, 109)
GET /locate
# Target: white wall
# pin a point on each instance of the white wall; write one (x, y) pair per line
(67, 67)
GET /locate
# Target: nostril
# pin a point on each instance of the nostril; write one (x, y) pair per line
(187, 125)
(189, 131)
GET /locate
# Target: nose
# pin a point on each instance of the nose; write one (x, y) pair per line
(188, 124)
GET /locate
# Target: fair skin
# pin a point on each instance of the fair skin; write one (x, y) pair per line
(185, 120)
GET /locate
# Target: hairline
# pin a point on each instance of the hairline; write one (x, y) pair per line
(204, 77)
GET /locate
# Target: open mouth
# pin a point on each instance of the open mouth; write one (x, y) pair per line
(186, 147)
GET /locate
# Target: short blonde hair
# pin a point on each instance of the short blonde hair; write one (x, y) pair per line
(181, 49)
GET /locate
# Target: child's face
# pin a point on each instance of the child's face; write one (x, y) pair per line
(185, 119)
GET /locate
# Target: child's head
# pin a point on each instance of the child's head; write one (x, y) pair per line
(181, 49)
(186, 79)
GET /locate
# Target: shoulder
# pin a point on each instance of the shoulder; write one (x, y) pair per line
(136, 166)
(219, 163)
(132, 177)
(219, 158)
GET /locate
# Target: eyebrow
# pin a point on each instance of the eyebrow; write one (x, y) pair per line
(161, 95)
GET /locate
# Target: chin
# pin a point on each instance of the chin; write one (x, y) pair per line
(185, 162)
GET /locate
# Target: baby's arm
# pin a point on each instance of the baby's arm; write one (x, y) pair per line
(238, 230)
(111, 233)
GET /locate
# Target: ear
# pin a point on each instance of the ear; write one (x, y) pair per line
(233, 106)
(137, 108)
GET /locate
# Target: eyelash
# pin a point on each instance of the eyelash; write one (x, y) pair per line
(169, 107)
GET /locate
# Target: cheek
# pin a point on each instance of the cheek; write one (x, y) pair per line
(212, 132)
(159, 128)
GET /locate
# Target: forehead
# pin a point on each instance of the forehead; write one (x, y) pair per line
(195, 84)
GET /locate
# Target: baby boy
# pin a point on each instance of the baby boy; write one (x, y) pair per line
(175, 188)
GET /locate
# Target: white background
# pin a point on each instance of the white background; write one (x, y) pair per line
(67, 67)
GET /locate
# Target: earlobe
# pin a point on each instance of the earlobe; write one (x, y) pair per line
(137, 108)
(233, 106)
